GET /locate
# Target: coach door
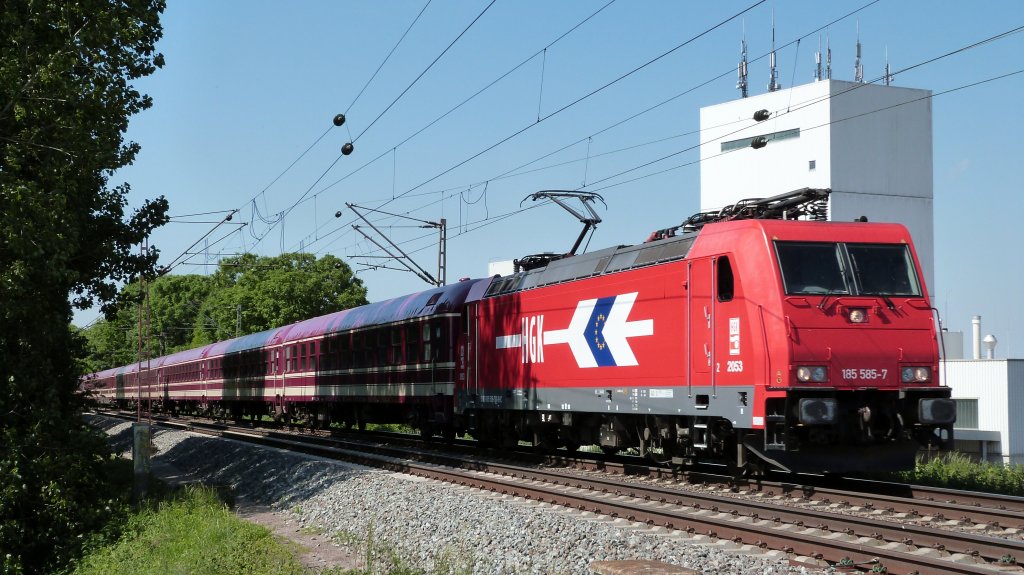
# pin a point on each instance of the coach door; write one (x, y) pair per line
(466, 382)
(700, 324)
(277, 369)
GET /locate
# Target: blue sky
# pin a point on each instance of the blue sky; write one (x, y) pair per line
(250, 85)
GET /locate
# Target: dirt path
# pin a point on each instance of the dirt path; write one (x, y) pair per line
(315, 550)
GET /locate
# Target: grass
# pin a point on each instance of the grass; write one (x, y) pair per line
(958, 471)
(194, 532)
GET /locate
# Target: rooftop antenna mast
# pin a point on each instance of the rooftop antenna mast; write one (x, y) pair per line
(404, 259)
(889, 76)
(817, 61)
(858, 68)
(828, 57)
(741, 71)
(773, 78)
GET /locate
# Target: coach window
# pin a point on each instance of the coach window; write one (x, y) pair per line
(395, 353)
(412, 340)
(362, 339)
(442, 338)
(344, 355)
(725, 280)
(427, 347)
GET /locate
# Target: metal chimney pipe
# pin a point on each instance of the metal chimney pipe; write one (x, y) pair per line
(976, 328)
(990, 342)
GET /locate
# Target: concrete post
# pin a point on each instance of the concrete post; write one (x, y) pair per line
(141, 435)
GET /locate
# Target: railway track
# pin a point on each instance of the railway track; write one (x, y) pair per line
(921, 531)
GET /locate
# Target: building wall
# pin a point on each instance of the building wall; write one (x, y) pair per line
(881, 139)
(779, 167)
(1015, 407)
(998, 385)
(872, 145)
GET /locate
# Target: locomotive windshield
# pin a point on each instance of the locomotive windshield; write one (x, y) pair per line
(812, 268)
(836, 268)
(883, 269)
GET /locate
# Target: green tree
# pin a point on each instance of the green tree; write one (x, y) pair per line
(174, 305)
(175, 302)
(65, 240)
(246, 294)
(252, 294)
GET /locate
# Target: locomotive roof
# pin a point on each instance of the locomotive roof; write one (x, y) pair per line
(600, 262)
(622, 258)
(433, 301)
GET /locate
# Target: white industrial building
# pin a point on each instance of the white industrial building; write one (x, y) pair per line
(872, 146)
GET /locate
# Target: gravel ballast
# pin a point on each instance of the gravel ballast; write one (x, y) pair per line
(432, 526)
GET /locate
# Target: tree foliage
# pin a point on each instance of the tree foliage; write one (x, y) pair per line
(245, 295)
(65, 240)
(275, 291)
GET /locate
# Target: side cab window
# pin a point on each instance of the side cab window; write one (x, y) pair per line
(725, 281)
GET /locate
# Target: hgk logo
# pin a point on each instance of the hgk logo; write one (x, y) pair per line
(598, 334)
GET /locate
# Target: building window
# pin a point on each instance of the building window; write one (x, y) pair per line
(812, 165)
(966, 413)
(745, 142)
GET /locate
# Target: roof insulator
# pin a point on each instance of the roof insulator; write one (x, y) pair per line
(759, 142)
(761, 115)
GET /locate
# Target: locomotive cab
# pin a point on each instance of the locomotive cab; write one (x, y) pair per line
(860, 388)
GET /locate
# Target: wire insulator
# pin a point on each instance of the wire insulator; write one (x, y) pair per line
(339, 119)
(347, 149)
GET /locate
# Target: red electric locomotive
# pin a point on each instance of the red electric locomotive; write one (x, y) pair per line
(803, 345)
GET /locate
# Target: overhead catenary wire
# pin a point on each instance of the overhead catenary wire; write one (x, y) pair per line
(580, 99)
(592, 183)
(858, 86)
(284, 213)
(634, 116)
(802, 105)
(465, 101)
(388, 57)
(807, 129)
(425, 70)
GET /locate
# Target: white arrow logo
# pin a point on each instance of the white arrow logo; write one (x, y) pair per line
(599, 332)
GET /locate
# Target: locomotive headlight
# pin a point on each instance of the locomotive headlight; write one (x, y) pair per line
(858, 315)
(936, 410)
(817, 411)
(814, 373)
(919, 374)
